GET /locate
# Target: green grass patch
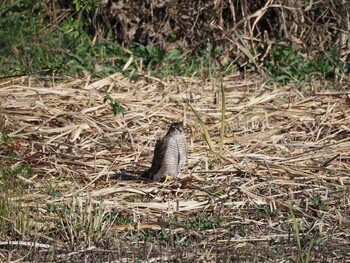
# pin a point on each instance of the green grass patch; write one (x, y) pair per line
(38, 44)
(286, 64)
(35, 45)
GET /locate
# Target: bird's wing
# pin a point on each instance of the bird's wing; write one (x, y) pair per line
(159, 153)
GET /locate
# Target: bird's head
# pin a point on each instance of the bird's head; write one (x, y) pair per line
(176, 128)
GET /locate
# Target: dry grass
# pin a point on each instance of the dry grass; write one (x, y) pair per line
(239, 28)
(284, 147)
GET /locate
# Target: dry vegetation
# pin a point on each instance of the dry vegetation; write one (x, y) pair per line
(244, 30)
(280, 190)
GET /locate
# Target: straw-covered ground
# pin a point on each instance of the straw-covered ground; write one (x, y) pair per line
(279, 191)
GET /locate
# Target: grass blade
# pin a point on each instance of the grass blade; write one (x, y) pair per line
(223, 113)
(205, 130)
(296, 233)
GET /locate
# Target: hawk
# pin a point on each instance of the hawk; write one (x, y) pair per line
(169, 154)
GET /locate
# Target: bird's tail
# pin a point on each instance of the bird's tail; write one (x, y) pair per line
(147, 175)
(128, 176)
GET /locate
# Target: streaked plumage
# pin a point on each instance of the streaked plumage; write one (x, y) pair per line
(170, 154)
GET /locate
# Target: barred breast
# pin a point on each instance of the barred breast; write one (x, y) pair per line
(174, 157)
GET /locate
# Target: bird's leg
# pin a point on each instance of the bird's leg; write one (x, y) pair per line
(168, 178)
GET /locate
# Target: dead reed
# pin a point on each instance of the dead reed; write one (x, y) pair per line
(285, 153)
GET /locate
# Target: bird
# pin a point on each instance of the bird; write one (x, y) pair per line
(170, 154)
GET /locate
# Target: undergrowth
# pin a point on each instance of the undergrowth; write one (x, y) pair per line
(286, 64)
(34, 42)
(33, 47)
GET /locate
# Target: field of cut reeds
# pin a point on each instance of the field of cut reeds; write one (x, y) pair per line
(278, 192)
